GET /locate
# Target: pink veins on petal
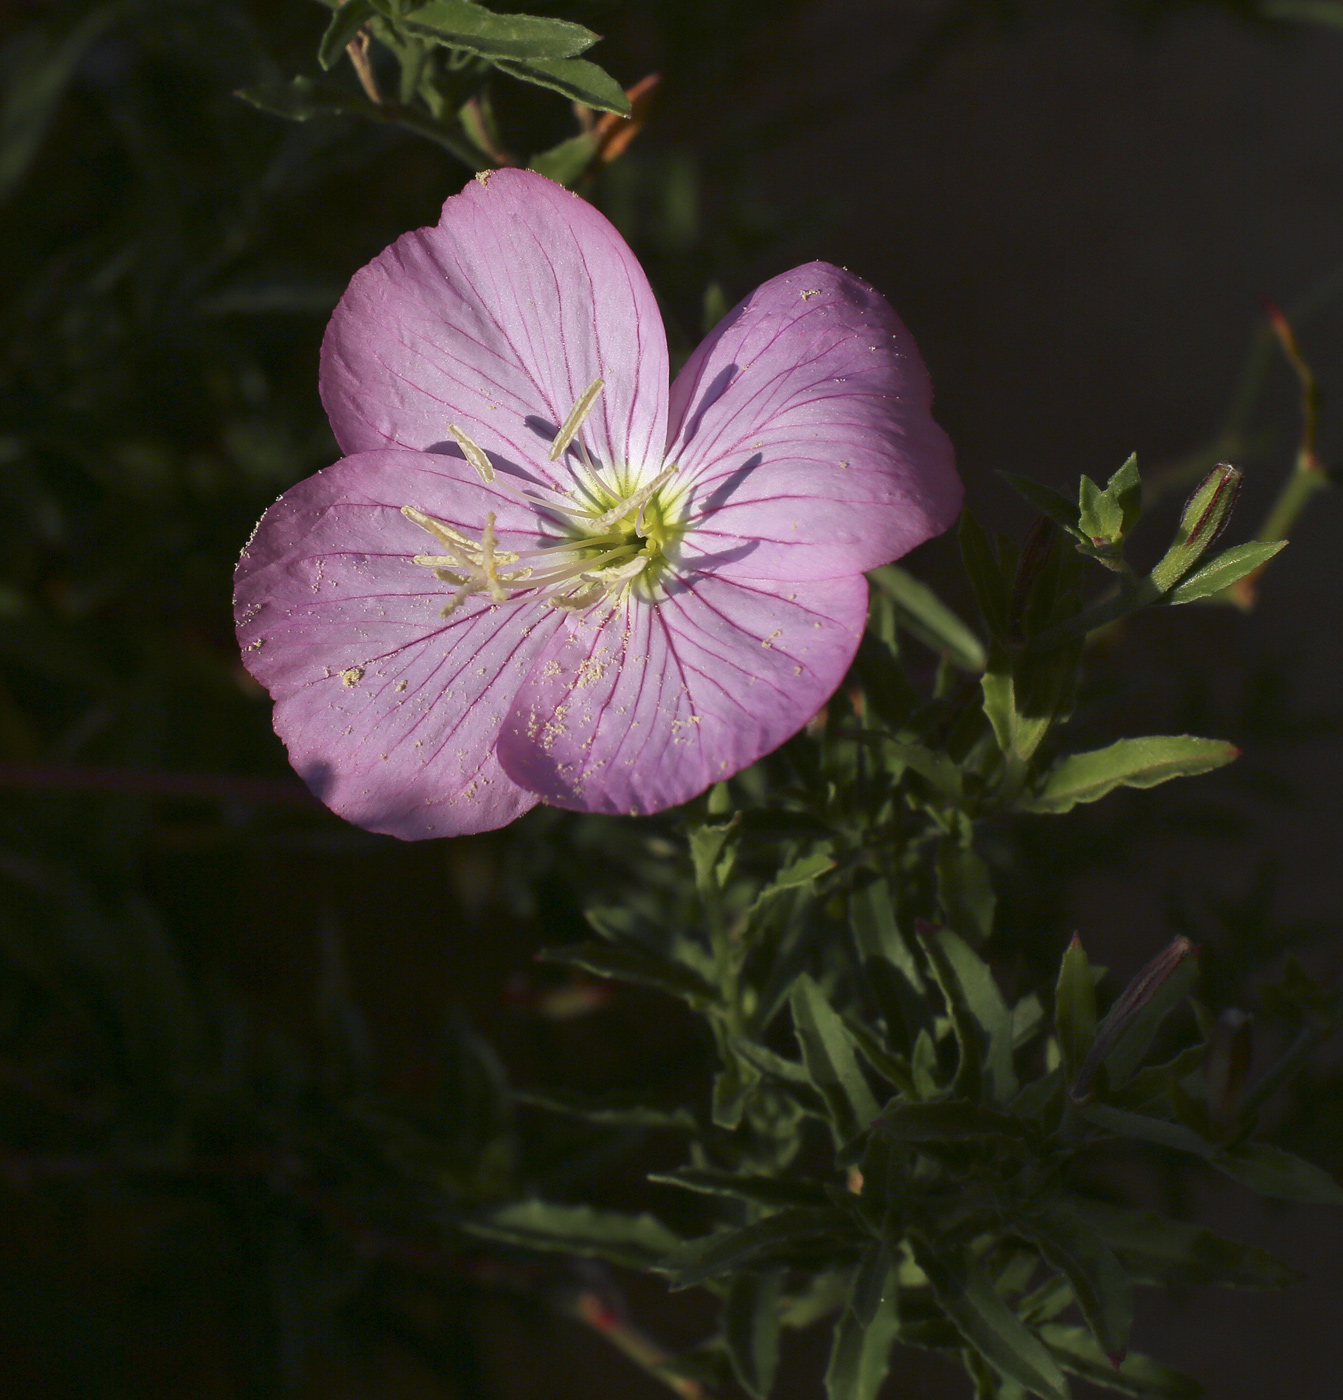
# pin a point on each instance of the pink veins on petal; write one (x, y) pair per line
(537, 574)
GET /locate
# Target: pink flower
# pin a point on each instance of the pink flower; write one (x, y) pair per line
(537, 575)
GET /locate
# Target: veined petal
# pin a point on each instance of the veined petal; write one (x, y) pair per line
(389, 711)
(640, 708)
(803, 426)
(496, 320)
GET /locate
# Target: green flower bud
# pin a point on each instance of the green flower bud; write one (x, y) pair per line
(1205, 513)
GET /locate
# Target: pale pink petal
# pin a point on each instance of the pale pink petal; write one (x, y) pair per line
(496, 320)
(642, 708)
(802, 426)
(389, 711)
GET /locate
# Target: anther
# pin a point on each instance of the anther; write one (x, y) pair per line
(569, 428)
(473, 454)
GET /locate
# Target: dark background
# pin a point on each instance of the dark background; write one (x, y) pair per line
(1076, 207)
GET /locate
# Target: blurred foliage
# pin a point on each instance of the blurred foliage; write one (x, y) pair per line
(223, 1174)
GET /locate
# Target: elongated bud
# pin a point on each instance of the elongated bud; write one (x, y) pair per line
(1205, 513)
(1226, 1067)
(1135, 1017)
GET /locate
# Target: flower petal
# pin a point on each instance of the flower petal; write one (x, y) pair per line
(803, 426)
(643, 707)
(389, 711)
(496, 320)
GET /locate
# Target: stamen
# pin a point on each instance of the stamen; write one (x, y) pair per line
(472, 453)
(571, 425)
(444, 534)
(490, 561)
(636, 501)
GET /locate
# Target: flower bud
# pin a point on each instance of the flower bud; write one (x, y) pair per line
(1205, 513)
(1135, 1015)
(1226, 1067)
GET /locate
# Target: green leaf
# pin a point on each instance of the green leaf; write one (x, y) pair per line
(1143, 1128)
(861, 1352)
(637, 1241)
(827, 1050)
(773, 1191)
(1224, 570)
(1018, 732)
(952, 1120)
(576, 79)
(1138, 1375)
(988, 1324)
(986, 575)
(610, 1110)
(632, 962)
(303, 100)
(1125, 488)
(941, 772)
(969, 1033)
(979, 1015)
(1327, 12)
(752, 1318)
(805, 870)
(874, 1282)
(924, 615)
(1074, 1008)
(1155, 1249)
(777, 1239)
(346, 22)
(1068, 1243)
(964, 889)
(1136, 763)
(1270, 1171)
(1099, 516)
(569, 161)
(462, 24)
(39, 66)
(1047, 501)
(876, 931)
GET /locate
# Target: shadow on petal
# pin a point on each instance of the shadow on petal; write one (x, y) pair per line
(718, 386)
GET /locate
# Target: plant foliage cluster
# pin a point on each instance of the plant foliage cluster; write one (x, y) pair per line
(874, 1134)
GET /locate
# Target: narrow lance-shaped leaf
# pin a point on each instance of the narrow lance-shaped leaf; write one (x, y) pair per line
(965, 889)
(638, 1241)
(574, 78)
(1135, 763)
(1266, 1169)
(1125, 487)
(462, 24)
(970, 1039)
(346, 22)
(1074, 1008)
(1271, 1171)
(988, 1324)
(776, 1239)
(1156, 1249)
(631, 962)
(924, 615)
(986, 575)
(980, 1016)
(1138, 1376)
(1227, 568)
(1068, 1243)
(752, 1319)
(829, 1056)
(860, 1355)
(1047, 501)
